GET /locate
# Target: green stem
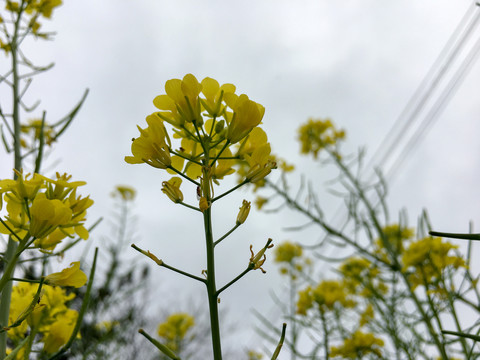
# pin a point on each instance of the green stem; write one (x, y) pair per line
(10, 255)
(6, 294)
(455, 235)
(189, 206)
(183, 175)
(231, 190)
(280, 343)
(242, 274)
(189, 158)
(220, 152)
(228, 233)
(211, 286)
(160, 262)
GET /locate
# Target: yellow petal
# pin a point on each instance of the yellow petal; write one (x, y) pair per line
(71, 276)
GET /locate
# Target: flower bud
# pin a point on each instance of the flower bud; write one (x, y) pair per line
(243, 213)
(219, 126)
(203, 204)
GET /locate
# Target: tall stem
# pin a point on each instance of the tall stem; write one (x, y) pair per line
(210, 245)
(211, 286)
(6, 294)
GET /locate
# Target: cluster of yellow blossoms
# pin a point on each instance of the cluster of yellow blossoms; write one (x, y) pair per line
(36, 130)
(51, 317)
(327, 295)
(175, 329)
(358, 346)
(35, 9)
(217, 129)
(425, 262)
(289, 255)
(317, 135)
(126, 193)
(43, 209)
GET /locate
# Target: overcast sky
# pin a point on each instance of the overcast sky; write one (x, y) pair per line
(357, 62)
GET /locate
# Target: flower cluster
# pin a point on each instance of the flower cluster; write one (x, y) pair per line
(427, 259)
(37, 130)
(358, 345)
(126, 193)
(327, 295)
(175, 329)
(361, 277)
(35, 9)
(289, 255)
(317, 135)
(44, 209)
(216, 129)
(392, 241)
(51, 316)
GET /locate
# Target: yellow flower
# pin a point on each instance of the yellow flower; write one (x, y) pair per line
(260, 163)
(367, 315)
(223, 167)
(49, 242)
(330, 293)
(171, 188)
(46, 317)
(23, 188)
(71, 276)
(17, 219)
(305, 301)
(214, 95)
(34, 127)
(61, 187)
(181, 101)
(260, 201)
(127, 193)
(358, 345)
(287, 251)
(247, 114)
(429, 257)
(60, 331)
(396, 237)
(175, 329)
(42, 7)
(316, 135)
(151, 147)
(106, 326)
(47, 215)
(253, 355)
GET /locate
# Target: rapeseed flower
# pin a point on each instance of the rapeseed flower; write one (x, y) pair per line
(427, 259)
(51, 317)
(317, 135)
(247, 114)
(357, 346)
(151, 147)
(127, 193)
(175, 329)
(171, 188)
(71, 276)
(287, 252)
